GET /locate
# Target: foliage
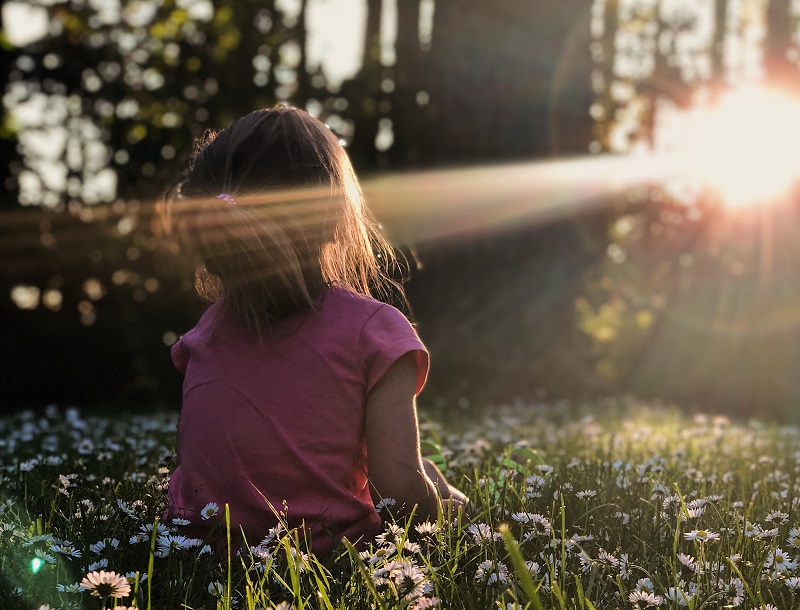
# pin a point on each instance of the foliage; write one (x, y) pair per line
(105, 108)
(118, 93)
(634, 507)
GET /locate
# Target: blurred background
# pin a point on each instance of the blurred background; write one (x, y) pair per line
(601, 196)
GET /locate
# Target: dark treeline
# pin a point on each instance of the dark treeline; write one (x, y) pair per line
(484, 87)
(540, 311)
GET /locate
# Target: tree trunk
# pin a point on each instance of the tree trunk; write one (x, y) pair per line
(780, 71)
(718, 78)
(406, 74)
(364, 93)
(496, 68)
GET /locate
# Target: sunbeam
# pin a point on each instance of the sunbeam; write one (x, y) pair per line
(431, 205)
(421, 206)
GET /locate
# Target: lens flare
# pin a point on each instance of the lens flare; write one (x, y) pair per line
(744, 146)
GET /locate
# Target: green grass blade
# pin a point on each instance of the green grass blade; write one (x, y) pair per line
(525, 580)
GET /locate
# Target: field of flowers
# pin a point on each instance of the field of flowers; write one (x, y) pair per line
(629, 507)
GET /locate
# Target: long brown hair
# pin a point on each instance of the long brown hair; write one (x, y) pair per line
(272, 208)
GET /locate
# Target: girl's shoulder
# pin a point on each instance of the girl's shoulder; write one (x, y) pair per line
(338, 297)
(345, 302)
(345, 308)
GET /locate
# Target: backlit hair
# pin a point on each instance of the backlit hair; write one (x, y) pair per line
(273, 209)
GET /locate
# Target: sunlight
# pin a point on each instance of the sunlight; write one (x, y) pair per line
(437, 204)
(744, 146)
(415, 207)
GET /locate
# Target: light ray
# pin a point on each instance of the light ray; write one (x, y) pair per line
(421, 206)
(425, 206)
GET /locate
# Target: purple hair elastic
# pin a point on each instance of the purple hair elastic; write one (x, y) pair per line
(227, 198)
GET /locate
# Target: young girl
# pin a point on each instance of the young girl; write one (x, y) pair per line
(299, 387)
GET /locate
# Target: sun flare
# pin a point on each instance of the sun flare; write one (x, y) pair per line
(744, 146)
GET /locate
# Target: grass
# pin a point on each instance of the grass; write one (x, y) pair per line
(632, 506)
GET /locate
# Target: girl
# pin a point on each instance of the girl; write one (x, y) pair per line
(299, 387)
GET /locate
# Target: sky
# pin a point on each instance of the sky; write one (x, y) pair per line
(336, 36)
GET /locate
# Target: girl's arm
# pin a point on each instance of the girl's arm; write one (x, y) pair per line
(394, 463)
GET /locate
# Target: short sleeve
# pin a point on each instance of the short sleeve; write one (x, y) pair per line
(179, 357)
(386, 336)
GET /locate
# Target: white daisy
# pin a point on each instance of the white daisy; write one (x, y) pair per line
(123, 507)
(701, 535)
(99, 547)
(46, 538)
(606, 558)
(767, 534)
(103, 563)
(778, 561)
(751, 529)
(138, 538)
(45, 557)
(65, 547)
(679, 596)
(776, 516)
(426, 528)
(131, 576)
(104, 584)
(482, 533)
(410, 581)
(645, 599)
(209, 510)
(174, 542)
(688, 561)
(733, 590)
(385, 503)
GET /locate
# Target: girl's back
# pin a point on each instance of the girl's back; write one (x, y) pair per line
(280, 422)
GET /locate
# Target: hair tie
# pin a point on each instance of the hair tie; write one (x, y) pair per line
(227, 198)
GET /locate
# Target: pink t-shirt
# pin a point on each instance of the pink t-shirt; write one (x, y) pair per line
(282, 420)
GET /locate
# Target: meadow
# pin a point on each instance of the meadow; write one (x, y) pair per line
(622, 505)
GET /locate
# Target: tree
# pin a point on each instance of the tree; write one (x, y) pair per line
(125, 93)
